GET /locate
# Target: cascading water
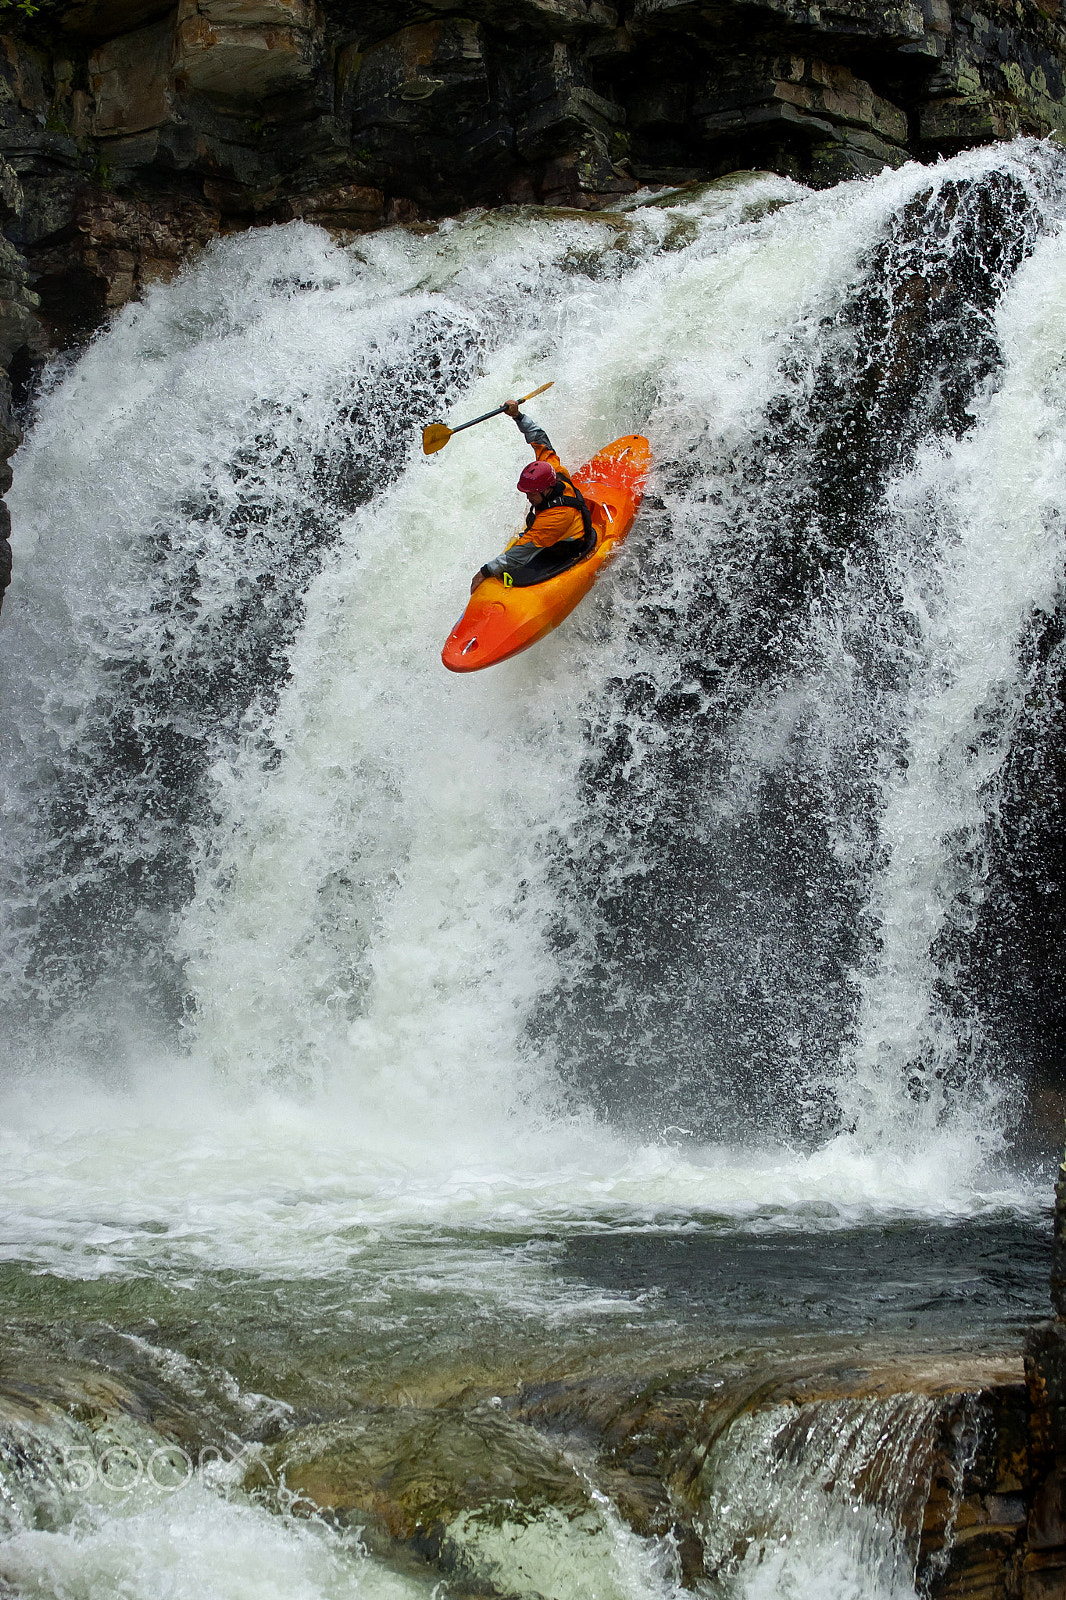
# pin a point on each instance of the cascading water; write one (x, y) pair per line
(818, 1499)
(309, 947)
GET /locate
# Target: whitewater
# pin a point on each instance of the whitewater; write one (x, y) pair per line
(312, 950)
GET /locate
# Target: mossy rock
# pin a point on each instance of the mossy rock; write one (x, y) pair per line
(413, 1471)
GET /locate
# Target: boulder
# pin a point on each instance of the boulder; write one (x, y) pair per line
(130, 81)
(245, 51)
(412, 1472)
(430, 114)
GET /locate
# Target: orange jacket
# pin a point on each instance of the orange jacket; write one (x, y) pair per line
(549, 524)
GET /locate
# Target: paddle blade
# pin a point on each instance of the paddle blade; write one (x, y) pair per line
(435, 437)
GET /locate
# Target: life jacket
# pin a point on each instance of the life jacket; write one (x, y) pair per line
(575, 502)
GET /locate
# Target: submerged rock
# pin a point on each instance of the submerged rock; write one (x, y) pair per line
(695, 1474)
(474, 1494)
(413, 1471)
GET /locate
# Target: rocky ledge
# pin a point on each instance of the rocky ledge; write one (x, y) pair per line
(471, 1485)
(469, 1472)
(133, 131)
(939, 1449)
(1045, 1366)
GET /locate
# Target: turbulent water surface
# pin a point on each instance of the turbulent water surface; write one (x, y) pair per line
(667, 994)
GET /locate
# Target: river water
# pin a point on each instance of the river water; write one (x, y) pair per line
(659, 999)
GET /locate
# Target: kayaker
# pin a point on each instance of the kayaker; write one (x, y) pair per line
(559, 517)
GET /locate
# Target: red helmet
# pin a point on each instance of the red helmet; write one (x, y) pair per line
(537, 478)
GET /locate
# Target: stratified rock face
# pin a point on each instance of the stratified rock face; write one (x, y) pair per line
(132, 131)
(1043, 1574)
(247, 106)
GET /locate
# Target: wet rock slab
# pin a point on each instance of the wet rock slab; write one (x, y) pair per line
(425, 1479)
(939, 1446)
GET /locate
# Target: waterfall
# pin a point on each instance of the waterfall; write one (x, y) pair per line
(669, 912)
(820, 1500)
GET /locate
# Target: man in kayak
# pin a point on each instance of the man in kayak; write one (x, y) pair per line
(559, 519)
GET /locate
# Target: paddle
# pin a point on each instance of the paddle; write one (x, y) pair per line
(436, 436)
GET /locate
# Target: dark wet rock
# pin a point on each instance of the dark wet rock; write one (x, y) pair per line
(19, 325)
(417, 1475)
(12, 200)
(408, 1475)
(114, 247)
(1043, 1570)
(345, 210)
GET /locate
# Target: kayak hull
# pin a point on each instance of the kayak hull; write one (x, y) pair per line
(501, 621)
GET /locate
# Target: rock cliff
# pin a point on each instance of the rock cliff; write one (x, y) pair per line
(1044, 1568)
(132, 131)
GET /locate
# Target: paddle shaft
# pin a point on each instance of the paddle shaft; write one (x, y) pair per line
(435, 436)
(501, 409)
(473, 424)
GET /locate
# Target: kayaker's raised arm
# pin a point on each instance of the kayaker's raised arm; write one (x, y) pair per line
(533, 435)
(558, 514)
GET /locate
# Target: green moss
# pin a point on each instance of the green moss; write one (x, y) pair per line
(39, 22)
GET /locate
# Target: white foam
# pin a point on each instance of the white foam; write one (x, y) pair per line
(195, 1545)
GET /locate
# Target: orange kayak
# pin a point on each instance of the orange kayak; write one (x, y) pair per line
(500, 621)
